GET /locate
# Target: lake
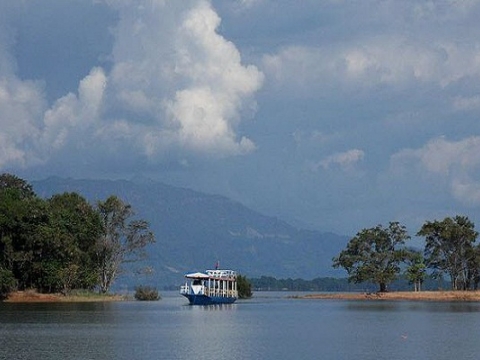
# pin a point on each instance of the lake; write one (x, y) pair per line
(269, 326)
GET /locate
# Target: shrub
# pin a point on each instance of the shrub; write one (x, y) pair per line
(244, 287)
(7, 283)
(146, 293)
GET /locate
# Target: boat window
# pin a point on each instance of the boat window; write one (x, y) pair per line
(197, 282)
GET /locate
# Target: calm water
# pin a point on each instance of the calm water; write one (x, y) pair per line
(269, 326)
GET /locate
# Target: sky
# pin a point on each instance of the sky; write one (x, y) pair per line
(334, 115)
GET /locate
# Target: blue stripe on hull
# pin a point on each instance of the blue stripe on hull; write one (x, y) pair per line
(209, 300)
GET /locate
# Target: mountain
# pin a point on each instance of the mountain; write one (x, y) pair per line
(193, 230)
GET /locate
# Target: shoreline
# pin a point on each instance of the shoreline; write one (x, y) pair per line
(30, 296)
(440, 295)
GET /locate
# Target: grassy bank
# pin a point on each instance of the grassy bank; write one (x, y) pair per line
(30, 296)
(401, 295)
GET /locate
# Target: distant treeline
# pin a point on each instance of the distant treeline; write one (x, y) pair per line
(329, 284)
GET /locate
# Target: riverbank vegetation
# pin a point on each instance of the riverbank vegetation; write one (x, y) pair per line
(330, 284)
(244, 287)
(379, 255)
(64, 243)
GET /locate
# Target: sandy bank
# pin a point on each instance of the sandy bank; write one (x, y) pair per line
(401, 295)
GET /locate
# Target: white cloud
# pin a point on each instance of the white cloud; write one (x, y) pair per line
(21, 105)
(456, 162)
(175, 83)
(173, 67)
(207, 110)
(344, 160)
(390, 60)
(73, 117)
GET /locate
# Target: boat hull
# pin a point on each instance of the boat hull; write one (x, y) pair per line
(208, 300)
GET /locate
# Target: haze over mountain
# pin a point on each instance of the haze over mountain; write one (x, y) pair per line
(194, 230)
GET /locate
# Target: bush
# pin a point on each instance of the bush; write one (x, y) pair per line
(244, 287)
(7, 283)
(146, 293)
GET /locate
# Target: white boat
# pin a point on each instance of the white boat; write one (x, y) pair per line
(211, 287)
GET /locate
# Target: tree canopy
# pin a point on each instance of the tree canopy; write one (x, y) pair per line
(378, 254)
(374, 255)
(64, 243)
(449, 248)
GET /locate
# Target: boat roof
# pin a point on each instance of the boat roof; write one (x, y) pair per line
(211, 274)
(197, 275)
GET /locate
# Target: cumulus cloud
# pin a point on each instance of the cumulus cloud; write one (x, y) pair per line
(456, 162)
(207, 110)
(175, 82)
(72, 116)
(21, 105)
(185, 79)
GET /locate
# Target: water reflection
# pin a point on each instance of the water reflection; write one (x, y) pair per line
(264, 328)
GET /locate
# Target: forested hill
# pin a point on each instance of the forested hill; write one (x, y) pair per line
(193, 230)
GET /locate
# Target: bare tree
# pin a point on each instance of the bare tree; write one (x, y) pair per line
(123, 240)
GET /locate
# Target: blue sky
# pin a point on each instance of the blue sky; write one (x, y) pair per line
(336, 115)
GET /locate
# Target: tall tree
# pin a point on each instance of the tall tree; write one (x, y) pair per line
(21, 215)
(374, 255)
(123, 240)
(66, 254)
(449, 248)
(416, 269)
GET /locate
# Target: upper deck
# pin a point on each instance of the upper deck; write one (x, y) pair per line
(222, 274)
(214, 274)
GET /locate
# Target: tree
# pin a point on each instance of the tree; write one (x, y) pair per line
(244, 287)
(474, 268)
(375, 255)
(22, 214)
(74, 229)
(7, 283)
(122, 241)
(416, 270)
(9, 181)
(449, 248)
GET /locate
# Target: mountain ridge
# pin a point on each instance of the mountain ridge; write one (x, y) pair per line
(193, 230)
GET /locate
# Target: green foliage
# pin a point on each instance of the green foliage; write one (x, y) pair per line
(146, 293)
(449, 248)
(11, 182)
(327, 284)
(64, 243)
(374, 255)
(416, 270)
(244, 287)
(7, 283)
(21, 216)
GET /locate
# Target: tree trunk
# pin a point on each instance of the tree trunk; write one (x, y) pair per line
(383, 287)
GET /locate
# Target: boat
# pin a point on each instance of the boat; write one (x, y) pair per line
(211, 287)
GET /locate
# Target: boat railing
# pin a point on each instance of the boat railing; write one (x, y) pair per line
(222, 274)
(220, 292)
